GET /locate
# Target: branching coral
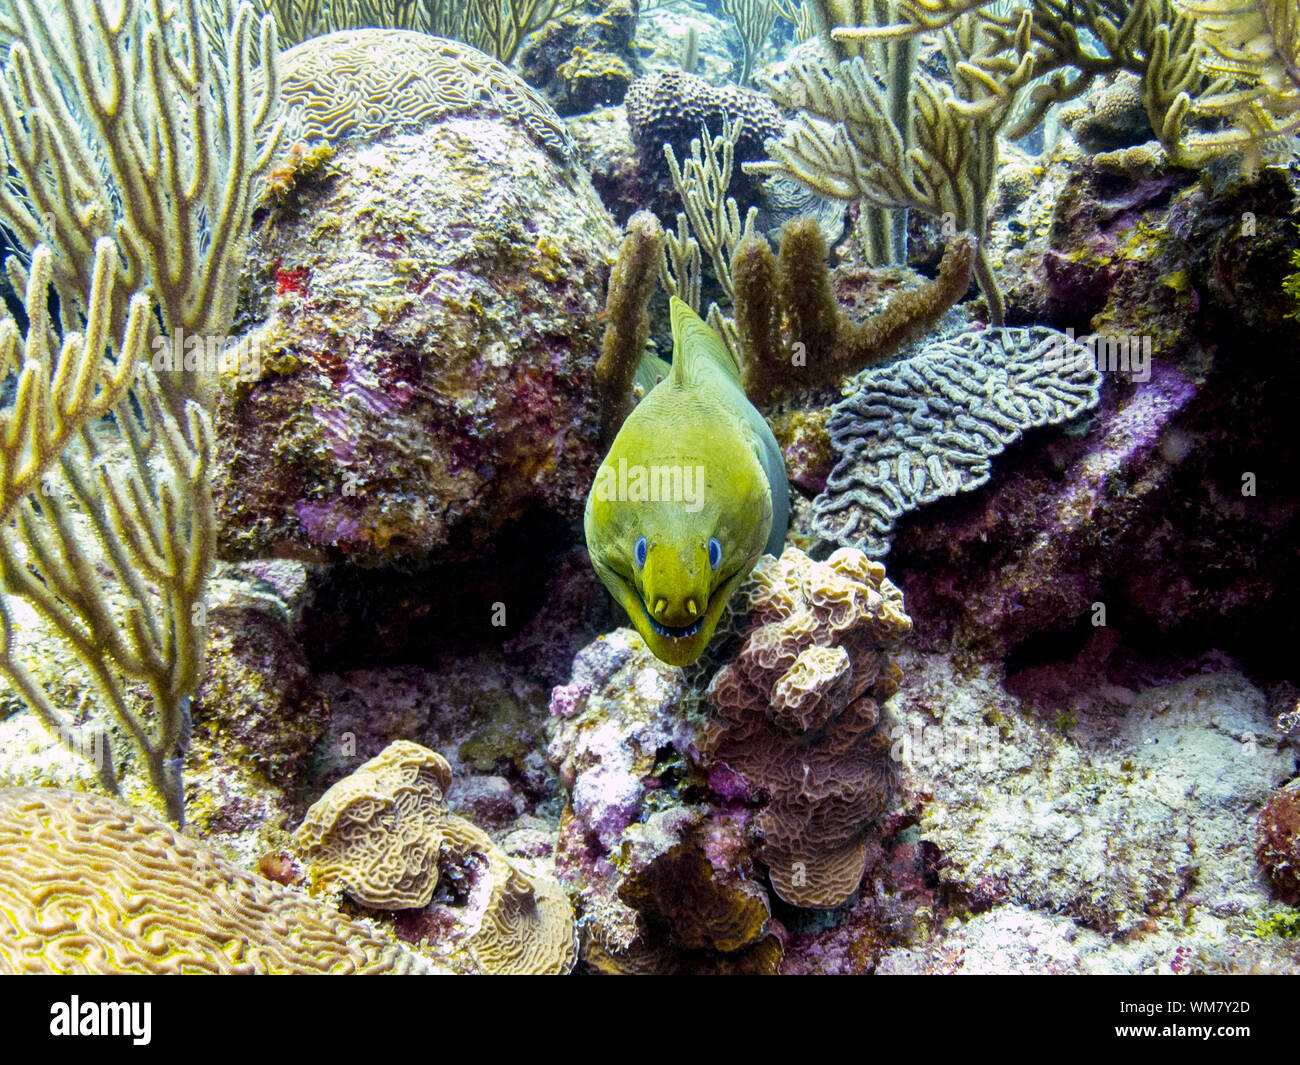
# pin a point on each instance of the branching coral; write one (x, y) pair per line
(1072, 43)
(821, 343)
(123, 121)
(937, 155)
(91, 886)
(114, 549)
(799, 714)
(710, 226)
(631, 285)
(1256, 45)
(753, 20)
(383, 835)
(498, 27)
(365, 83)
(929, 427)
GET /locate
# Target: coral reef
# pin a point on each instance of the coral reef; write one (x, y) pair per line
(1277, 847)
(663, 878)
(370, 83)
(929, 427)
(672, 107)
(820, 342)
(91, 886)
(916, 144)
(800, 716)
(586, 58)
(413, 400)
(385, 837)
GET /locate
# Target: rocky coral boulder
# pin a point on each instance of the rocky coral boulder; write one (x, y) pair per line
(425, 318)
(586, 58)
(1170, 511)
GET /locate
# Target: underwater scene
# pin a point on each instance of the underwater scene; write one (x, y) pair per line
(521, 487)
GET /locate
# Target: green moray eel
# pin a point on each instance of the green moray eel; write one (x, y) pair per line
(691, 494)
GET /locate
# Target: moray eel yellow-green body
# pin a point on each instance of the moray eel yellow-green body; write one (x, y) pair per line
(691, 494)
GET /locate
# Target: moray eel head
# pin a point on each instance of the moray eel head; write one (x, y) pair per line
(682, 507)
(674, 573)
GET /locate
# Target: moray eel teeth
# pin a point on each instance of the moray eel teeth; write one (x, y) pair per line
(691, 494)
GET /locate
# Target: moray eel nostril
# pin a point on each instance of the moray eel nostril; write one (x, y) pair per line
(692, 492)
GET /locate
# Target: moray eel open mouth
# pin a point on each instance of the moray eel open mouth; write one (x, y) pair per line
(684, 633)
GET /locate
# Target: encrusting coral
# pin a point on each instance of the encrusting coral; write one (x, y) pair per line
(799, 714)
(929, 427)
(113, 550)
(384, 836)
(367, 83)
(91, 886)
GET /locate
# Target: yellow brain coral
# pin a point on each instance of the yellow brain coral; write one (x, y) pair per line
(385, 837)
(88, 885)
(798, 713)
(377, 834)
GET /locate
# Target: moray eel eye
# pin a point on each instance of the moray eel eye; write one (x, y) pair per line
(715, 553)
(639, 553)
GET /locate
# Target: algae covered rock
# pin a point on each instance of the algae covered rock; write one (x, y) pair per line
(425, 317)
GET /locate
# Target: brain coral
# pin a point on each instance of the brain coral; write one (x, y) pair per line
(365, 83)
(799, 714)
(670, 106)
(384, 836)
(930, 426)
(88, 885)
(376, 834)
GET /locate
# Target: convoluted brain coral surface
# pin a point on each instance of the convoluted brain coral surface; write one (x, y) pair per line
(376, 834)
(799, 714)
(930, 426)
(88, 885)
(364, 83)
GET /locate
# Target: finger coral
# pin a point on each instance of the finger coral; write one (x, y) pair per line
(385, 837)
(930, 426)
(799, 714)
(88, 885)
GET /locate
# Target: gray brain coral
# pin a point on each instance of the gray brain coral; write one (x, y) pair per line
(365, 83)
(930, 426)
(88, 885)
